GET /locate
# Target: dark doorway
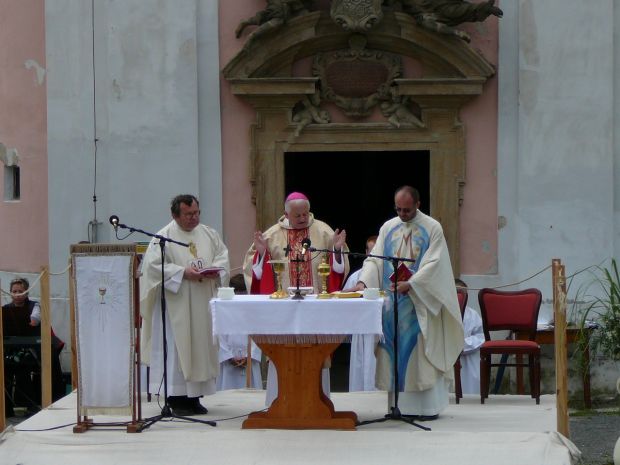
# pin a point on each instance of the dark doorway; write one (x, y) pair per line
(355, 191)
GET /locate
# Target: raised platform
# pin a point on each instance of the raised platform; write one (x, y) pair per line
(507, 430)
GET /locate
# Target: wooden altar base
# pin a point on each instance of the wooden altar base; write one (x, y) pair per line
(301, 403)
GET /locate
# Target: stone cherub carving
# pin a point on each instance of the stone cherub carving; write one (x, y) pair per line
(356, 15)
(308, 111)
(398, 111)
(443, 15)
(274, 16)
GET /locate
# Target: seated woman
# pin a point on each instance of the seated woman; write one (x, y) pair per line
(22, 368)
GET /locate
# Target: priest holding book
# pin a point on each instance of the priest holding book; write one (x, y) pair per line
(191, 277)
(430, 329)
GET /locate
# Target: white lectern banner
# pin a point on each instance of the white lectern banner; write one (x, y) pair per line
(104, 314)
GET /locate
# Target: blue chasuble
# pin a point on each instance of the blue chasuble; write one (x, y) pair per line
(405, 240)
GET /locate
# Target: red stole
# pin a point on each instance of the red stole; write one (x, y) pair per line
(303, 269)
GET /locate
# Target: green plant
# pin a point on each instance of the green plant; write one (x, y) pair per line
(600, 300)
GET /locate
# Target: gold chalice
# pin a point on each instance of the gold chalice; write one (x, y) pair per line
(324, 271)
(278, 268)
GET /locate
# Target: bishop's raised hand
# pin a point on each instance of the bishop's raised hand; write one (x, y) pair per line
(260, 243)
(339, 239)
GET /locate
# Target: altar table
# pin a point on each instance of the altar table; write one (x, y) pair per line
(298, 335)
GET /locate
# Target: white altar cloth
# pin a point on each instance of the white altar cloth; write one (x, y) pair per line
(258, 314)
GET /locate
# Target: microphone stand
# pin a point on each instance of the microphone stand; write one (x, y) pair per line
(395, 413)
(166, 411)
(297, 261)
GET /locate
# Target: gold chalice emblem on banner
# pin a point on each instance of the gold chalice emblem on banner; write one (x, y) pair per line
(278, 268)
(104, 282)
(102, 292)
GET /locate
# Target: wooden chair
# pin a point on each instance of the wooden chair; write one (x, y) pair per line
(514, 311)
(461, 294)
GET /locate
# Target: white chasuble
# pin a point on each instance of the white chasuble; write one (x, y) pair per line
(187, 302)
(430, 329)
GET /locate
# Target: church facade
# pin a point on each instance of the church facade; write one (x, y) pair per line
(504, 121)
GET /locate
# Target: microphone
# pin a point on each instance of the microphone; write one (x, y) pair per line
(114, 221)
(305, 245)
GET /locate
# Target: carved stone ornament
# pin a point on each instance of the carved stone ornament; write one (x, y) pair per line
(401, 111)
(356, 79)
(275, 15)
(422, 113)
(308, 111)
(443, 15)
(356, 15)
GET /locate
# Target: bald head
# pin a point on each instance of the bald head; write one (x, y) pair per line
(412, 191)
(406, 203)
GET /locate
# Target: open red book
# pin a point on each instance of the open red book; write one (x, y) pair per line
(210, 270)
(403, 273)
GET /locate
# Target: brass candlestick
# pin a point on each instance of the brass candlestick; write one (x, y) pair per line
(324, 271)
(278, 268)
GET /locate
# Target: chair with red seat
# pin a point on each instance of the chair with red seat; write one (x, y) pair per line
(513, 311)
(461, 294)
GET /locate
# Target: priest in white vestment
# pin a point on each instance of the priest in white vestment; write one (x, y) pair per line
(233, 363)
(470, 358)
(430, 328)
(191, 278)
(296, 225)
(233, 353)
(362, 363)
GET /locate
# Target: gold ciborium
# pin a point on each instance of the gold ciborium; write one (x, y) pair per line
(324, 271)
(278, 269)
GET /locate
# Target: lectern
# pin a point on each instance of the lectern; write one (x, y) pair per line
(105, 333)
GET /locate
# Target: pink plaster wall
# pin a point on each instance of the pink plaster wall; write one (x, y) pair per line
(237, 116)
(23, 125)
(479, 211)
(478, 223)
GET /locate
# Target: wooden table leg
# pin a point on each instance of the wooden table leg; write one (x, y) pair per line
(301, 403)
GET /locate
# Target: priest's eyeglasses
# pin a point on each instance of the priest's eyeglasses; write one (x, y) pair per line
(191, 214)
